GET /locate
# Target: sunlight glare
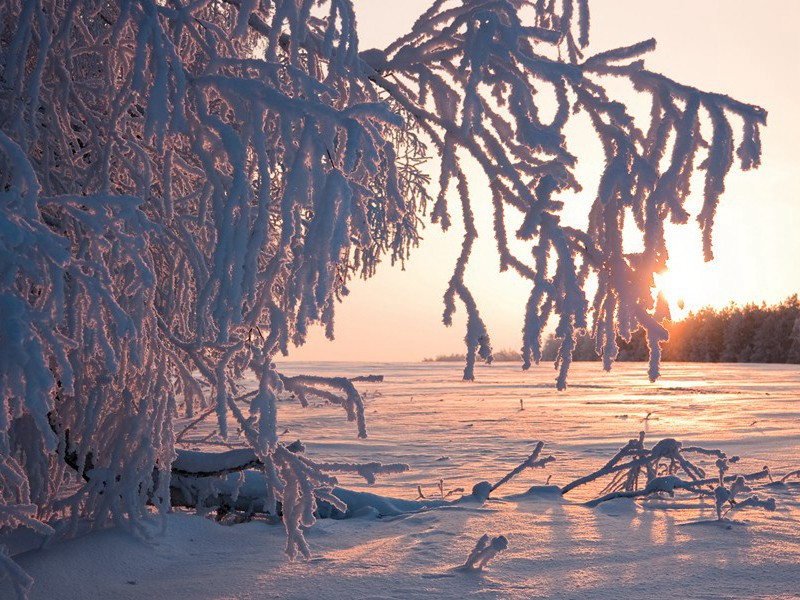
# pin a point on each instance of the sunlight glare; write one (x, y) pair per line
(684, 283)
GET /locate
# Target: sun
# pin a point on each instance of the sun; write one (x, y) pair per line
(668, 284)
(687, 284)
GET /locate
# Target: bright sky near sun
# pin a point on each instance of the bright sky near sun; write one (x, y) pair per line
(716, 45)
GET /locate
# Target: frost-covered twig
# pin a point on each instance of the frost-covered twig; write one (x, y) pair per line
(532, 462)
(304, 385)
(725, 497)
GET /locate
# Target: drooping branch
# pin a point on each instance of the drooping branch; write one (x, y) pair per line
(477, 80)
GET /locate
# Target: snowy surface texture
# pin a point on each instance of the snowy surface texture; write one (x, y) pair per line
(464, 433)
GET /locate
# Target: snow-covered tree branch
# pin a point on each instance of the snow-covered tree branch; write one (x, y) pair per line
(480, 82)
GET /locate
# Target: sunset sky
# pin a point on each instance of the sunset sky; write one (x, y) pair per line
(714, 45)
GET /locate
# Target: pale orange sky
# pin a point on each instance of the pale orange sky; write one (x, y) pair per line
(717, 45)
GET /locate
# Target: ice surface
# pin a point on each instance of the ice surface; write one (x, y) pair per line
(557, 548)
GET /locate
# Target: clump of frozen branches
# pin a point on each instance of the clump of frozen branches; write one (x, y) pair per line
(638, 471)
(484, 551)
(725, 496)
(483, 82)
(634, 464)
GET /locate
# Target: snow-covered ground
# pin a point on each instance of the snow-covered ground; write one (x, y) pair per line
(462, 433)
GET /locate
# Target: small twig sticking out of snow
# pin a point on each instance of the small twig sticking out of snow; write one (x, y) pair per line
(532, 462)
(483, 552)
(458, 490)
(789, 475)
(440, 488)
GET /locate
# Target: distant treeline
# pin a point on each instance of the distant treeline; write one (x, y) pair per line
(751, 333)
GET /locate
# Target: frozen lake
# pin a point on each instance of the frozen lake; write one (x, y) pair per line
(462, 433)
(423, 412)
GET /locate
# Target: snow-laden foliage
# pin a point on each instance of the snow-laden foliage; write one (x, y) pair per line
(486, 83)
(186, 187)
